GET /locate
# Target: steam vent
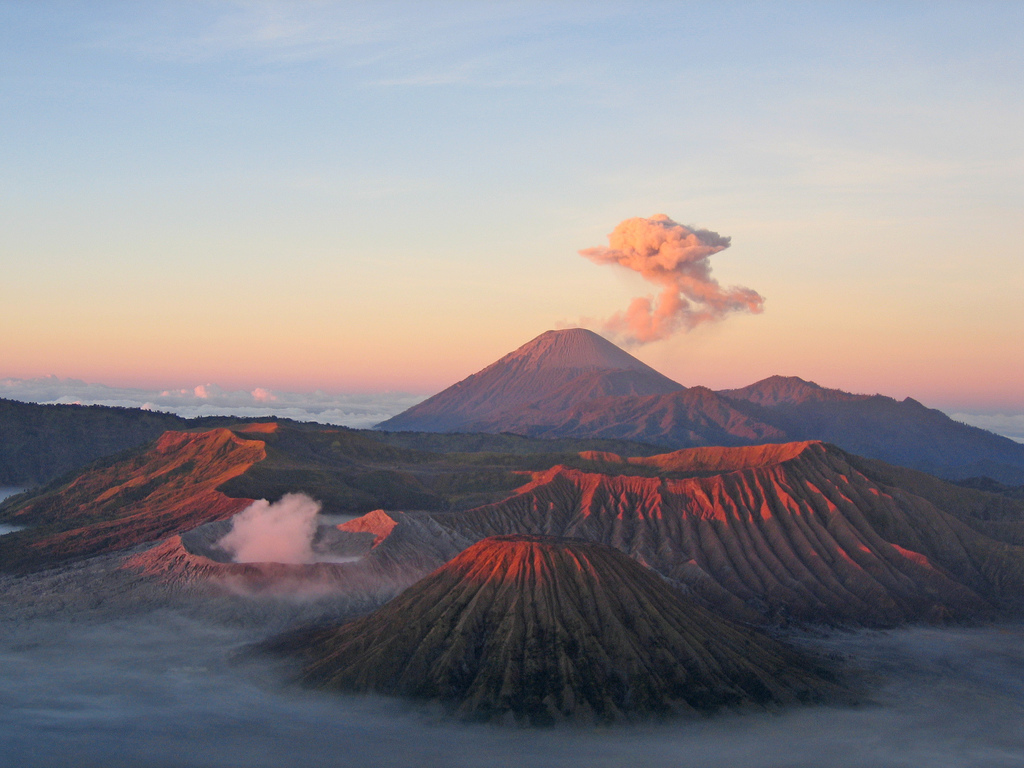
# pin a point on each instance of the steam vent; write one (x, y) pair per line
(537, 630)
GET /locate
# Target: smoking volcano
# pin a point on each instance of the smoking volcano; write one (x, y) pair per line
(540, 629)
(553, 372)
(575, 384)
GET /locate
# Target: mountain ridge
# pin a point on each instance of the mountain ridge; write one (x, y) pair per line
(637, 406)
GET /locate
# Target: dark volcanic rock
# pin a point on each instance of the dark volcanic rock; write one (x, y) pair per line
(903, 432)
(540, 630)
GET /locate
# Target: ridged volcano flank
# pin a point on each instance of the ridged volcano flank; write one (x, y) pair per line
(782, 531)
(554, 371)
(543, 629)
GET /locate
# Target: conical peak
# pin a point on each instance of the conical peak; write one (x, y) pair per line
(522, 556)
(548, 374)
(572, 348)
(542, 629)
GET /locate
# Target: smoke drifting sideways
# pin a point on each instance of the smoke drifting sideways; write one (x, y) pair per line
(677, 258)
(278, 532)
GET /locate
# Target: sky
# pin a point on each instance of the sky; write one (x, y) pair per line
(382, 198)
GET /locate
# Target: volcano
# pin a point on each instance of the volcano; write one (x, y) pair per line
(575, 384)
(549, 374)
(540, 629)
(786, 531)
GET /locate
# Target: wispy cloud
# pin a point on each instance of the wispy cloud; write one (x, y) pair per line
(390, 44)
(273, 31)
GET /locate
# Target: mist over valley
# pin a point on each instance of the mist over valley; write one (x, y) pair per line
(110, 672)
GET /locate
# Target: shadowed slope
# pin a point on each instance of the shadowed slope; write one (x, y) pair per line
(575, 384)
(40, 442)
(545, 629)
(552, 372)
(903, 432)
(695, 416)
(787, 390)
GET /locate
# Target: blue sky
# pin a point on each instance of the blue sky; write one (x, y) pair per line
(357, 196)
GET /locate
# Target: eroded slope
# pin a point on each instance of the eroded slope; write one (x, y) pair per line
(793, 531)
(545, 629)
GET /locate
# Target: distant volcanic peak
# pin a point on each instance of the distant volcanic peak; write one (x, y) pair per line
(787, 390)
(548, 629)
(574, 349)
(541, 379)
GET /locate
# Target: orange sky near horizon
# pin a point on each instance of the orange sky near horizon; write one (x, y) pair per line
(297, 197)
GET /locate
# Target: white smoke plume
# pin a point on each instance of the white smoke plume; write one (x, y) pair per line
(281, 532)
(676, 258)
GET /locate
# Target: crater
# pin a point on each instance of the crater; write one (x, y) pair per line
(330, 544)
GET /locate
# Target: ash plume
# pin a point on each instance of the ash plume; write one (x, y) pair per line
(677, 258)
(279, 532)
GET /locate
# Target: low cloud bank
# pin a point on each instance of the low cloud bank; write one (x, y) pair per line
(1009, 425)
(349, 410)
(278, 532)
(161, 689)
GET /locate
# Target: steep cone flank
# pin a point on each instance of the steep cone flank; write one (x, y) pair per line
(552, 372)
(549, 629)
(804, 534)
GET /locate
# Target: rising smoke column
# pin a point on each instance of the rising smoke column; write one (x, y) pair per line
(279, 532)
(676, 258)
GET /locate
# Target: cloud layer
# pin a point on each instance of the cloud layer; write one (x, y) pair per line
(1009, 425)
(349, 410)
(677, 259)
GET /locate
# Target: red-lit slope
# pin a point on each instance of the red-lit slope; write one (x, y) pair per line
(167, 489)
(546, 629)
(552, 372)
(777, 531)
